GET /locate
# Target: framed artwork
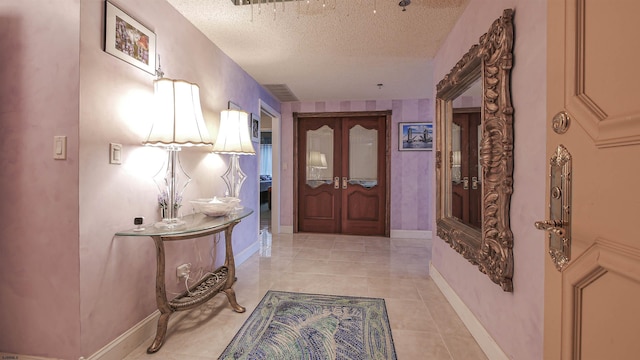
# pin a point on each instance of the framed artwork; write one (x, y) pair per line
(255, 127)
(234, 106)
(128, 40)
(415, 136)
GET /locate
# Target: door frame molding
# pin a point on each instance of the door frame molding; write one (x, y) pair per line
(387, 163)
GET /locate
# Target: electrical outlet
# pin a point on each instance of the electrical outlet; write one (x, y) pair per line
(183, 270)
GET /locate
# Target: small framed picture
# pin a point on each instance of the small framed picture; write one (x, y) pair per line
(415, 136)
(128, 40)
(234, 106)
(255, 128)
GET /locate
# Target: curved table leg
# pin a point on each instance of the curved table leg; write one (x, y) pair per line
(161, 332)
(231, 295)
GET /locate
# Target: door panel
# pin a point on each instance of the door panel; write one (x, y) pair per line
(364, 197)
(318, 200)
(343, 185)
(362, 207)
(591, 304)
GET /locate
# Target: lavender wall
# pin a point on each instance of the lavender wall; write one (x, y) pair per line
(116, 273)
(39, 300)
(69, 285)
(411, 179)
(514, 320)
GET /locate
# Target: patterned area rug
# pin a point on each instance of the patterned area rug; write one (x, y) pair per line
(307, 326)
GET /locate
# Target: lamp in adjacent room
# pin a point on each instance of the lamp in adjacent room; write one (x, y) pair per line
(234, 138)
(178, 123)
(317, 161)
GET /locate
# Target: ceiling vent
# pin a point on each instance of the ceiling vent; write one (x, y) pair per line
(281, 92)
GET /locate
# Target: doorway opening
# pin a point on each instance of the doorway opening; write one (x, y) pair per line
(269, 169)
(266, 171)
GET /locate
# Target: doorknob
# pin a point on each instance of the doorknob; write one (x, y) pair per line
(465, 183)
(474, 182)
(554, 226)
(344, 182)
(559, 224)
(336, 182)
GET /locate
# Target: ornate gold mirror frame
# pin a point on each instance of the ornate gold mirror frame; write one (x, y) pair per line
(491, 246)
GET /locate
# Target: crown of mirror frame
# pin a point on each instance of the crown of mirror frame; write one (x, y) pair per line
(178, 122)
(234, 139)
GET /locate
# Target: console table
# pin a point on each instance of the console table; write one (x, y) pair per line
(196, 225)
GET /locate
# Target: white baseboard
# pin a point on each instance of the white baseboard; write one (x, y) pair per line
(124, 344)
(411, 234)
(246, 253)
(400, 234)
(286, 229)
(10, 356)
(118, 349)
(486, 342)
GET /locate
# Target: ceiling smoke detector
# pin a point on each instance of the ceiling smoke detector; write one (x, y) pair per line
(404, 4)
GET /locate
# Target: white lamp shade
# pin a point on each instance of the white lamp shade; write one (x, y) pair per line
(233, 134)
(178, 115)
(317, 160)
(323, 161)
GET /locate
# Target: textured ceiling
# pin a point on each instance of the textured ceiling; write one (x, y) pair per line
(341, 52)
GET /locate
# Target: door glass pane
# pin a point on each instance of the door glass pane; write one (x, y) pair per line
(319, 155)
(363, 156)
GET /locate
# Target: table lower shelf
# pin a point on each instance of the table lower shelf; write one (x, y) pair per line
(202, 291)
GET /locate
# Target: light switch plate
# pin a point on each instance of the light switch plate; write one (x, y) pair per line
(60, 147)
(115, 153)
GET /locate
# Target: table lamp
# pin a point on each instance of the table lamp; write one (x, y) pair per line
(317, 161)
(178, 123)
(234, 138)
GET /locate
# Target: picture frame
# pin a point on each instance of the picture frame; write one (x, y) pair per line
(254, 127)
(129, 40)
(415, 136)
(234, 106)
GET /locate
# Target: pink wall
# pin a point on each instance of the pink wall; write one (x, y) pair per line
(69, 286)
(411, 181)
(39, 300)
(514, 320)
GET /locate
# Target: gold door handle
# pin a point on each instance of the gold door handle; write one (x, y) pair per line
(558, 227)
(344, 182)
(336, 182)
(553, 226)
(465, 183)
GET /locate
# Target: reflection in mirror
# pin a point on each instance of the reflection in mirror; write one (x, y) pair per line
(363, 156)
(466, 136)
(319, 154)
(474, 154)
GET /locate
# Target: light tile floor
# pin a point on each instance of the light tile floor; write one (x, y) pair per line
(423, 324)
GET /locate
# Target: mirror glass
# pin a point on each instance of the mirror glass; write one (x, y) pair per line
(474, 154)
(319, 154)
(466, 174)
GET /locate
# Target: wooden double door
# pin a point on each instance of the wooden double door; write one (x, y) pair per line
(342, 173)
